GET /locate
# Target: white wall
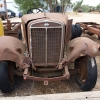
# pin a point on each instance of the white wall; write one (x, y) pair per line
(2, 2)
(68, 8)
(10, 5)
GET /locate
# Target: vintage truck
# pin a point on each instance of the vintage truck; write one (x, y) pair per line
(49, 53)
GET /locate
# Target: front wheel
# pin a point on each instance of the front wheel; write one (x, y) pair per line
(74, 35)
(78, 30)
(7, 84)
(19, 35)
(99, 37)
(86, 76)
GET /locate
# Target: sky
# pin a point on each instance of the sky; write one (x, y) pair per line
(89, 2)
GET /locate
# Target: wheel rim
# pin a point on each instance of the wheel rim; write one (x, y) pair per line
(81, 66)
(11, 72)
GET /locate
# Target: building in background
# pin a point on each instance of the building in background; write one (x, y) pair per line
(68, 8)
(10, 5)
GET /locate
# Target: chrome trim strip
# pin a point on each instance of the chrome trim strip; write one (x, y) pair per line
(30, 49)
(47, 21)
(46, 48)
(47, 27)
(62, 44)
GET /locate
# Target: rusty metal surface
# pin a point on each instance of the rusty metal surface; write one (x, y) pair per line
(49, 24)
(11, 28)
(80, 65)
(47, 76)
(41, 16)
(91, 27)
(5, 7)
(62, 18)
(11, 49)
(80, 46)
(39, 46)
(45, 79)
(26, 63)
(45, 44)
(68, 34)
(63, 75)
(51, 37)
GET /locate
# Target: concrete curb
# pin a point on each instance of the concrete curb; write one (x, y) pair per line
(93, 95)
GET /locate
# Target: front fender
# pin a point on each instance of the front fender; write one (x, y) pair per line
(11, 49)
(82, 46)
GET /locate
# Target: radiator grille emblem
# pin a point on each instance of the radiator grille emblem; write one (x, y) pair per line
(46, 24)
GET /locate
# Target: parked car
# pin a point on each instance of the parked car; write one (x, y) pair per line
(20, 15)
(50, 52)
(3, 15)
(13, 14)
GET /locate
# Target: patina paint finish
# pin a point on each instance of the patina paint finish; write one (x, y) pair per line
(47, 33)
(11, 49)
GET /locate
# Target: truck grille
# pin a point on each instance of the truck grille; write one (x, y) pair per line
(46, 46)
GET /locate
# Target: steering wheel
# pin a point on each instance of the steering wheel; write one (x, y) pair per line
(34, 10)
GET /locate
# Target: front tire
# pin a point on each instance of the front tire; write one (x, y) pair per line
(19, 35)
(86, 76)
(76, 31)
(79, 30)
(7, 84)
(74, 35)
(99, 37)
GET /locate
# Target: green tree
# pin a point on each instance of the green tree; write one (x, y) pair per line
(63, 4)
(78, 5)
(52, 4)
(85, 8)
(25, 5)
(98, 7)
